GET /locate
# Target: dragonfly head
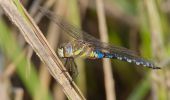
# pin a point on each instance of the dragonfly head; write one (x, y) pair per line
(65, 50)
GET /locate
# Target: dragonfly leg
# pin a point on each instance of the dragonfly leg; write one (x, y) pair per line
(71, 67)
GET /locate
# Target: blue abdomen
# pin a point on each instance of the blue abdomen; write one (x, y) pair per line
(124, 57)
(99, 54)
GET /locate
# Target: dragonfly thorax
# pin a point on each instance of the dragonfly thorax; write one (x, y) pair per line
(72, 49)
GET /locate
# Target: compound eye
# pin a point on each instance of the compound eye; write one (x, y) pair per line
(68, 48)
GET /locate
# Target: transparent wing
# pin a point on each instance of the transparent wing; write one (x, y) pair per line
(78, 34)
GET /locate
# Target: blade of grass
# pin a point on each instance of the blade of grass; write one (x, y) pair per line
(158, 78)
(108, 77)
(38, 42)
(12, 50)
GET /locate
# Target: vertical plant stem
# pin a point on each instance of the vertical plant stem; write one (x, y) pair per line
(74, 17)
(159, 89)
(108, 77)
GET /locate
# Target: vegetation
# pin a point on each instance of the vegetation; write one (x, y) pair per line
(139, 25)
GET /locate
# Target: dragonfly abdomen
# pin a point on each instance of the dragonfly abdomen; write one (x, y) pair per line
(135, 60)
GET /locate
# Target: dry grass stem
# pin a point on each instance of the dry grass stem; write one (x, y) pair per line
(19, 94)
(108, 77)
(52, 38)
(158, 77)
(35, 38)
(84, 6)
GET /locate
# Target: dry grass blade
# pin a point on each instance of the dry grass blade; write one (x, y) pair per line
(38, 42)
(109, 81)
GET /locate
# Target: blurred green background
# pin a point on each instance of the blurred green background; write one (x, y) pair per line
(139, 25)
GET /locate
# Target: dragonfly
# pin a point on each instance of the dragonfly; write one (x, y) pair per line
(85, 45)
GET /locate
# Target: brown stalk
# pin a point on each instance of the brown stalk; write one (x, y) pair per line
(159, 88)
(19, 94)
(52, 37)
(108, 77)
(35, 38)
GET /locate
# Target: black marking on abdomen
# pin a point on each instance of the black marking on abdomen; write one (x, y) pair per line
(135, 60)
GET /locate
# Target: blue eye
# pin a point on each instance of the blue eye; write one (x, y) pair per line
(69, 49)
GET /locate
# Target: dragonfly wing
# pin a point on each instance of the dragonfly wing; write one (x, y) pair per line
(71, 67)
(78, 34)
(62, 23)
